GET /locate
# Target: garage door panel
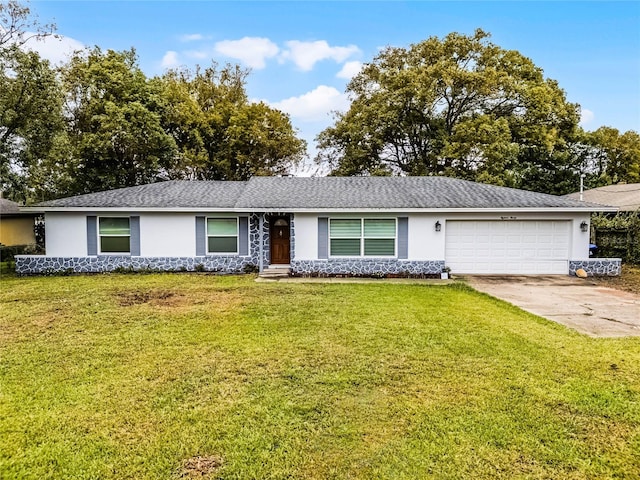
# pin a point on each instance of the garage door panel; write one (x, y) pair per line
(536, 247)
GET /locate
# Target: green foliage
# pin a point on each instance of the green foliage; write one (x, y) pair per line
(118, 376)
(618, 236)
(458, 106)
(610, 157)
(8, 253)
(620, 221)
(7, 268)
(250, 268)
(114, 125)
(31, 123)
(99, 123)
(220, 134)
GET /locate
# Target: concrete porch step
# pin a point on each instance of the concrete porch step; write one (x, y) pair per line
(275, 272)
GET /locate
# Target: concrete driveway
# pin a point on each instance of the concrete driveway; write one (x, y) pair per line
(577, 303)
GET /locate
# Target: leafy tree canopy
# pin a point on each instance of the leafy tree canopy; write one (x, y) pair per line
(610, 157)
(31, 122)
(114, 123)
(219, 133)
(458, 106)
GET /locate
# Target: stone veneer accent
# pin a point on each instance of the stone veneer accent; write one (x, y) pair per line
(609, 267)
(40, 264)
(366, 267)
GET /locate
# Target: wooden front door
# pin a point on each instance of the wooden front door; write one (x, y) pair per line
(279, 236)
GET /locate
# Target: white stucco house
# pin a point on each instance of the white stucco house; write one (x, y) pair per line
(319, 226)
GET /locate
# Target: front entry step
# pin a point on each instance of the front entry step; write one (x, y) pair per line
(276, 271)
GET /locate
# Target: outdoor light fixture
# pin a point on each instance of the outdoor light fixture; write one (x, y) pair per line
(584, 226)
(438, 226)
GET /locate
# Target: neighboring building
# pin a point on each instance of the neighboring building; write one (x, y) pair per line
(16, 227)
(320, 226)
(618, 236)
(624, 196)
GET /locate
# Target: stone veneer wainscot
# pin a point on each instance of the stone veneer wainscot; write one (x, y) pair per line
(40, 264)
(366, 267)
(594, 267)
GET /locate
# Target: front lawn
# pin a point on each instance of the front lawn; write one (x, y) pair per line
(169, 376)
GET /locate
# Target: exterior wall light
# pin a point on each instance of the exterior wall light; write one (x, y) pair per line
(584, 227)
(438, 226)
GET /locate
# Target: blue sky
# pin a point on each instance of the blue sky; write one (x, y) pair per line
(302, 53)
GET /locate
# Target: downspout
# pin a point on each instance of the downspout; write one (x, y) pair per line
(261, 237)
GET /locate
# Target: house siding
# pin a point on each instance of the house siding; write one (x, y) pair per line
(168, 243)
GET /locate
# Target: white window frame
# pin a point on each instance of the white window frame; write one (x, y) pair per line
(237, 235)
(362, 237)
(99, 236)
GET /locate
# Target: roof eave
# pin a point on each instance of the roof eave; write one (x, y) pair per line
(322, 210)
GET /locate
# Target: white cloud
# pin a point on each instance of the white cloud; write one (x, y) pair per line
(315, 105)
(349, 70)
(55, 49)
(170, 60)
(306, 54)
(191, 37)
(252, 51)
(586, 116)
(197, 54)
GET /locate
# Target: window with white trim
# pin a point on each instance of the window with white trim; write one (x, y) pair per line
(114, 234)
(222, 235)
(357, 237)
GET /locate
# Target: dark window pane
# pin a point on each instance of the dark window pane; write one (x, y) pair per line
(382, 247)
(345, 247)
(223, 244)
(114, 226)
(222, 226)
(114, 245)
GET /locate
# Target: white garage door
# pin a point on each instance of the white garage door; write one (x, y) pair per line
(527, 247)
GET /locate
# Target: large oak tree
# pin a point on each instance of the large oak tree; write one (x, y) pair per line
(458, 106)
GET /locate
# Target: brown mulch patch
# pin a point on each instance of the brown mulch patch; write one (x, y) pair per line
(200, 466)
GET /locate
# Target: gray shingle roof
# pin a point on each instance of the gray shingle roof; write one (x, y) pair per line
(7, 207)
(174, 193)
(12, 209)
(295, 193)
(625, 196)
(389, 193)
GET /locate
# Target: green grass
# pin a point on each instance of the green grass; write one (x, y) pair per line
(130, 376)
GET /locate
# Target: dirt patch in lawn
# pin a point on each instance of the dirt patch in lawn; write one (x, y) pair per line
(221, 301)
(157, 297)
(629, 281)
(200, 467)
